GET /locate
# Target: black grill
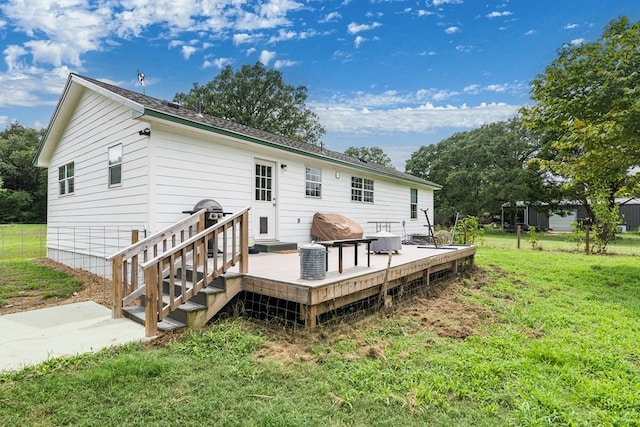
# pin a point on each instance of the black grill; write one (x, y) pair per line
(213, 213)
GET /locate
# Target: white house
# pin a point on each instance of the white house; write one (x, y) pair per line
(119, 160)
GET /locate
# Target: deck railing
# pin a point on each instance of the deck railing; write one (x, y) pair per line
(183, 246)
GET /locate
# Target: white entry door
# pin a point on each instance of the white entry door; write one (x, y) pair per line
(264, 200)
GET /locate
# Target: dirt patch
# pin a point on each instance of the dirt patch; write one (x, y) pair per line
(95, 288)
(444, 311)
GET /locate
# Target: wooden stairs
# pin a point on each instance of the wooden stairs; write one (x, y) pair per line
(195, 312)
(154, 281)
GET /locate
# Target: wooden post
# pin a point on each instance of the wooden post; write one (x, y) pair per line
(151, 300)
(518, 232)
(202, 256)
(135, 236)
(586, 238)
(116, 280)
(244, 244)
(311, 311)
(383, 297)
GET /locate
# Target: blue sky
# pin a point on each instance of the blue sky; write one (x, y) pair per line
(392, 74)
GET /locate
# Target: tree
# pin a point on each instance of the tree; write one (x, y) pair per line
(482, 169)
(370, 155)
(588, 106)
(23, 193)
(256, 97)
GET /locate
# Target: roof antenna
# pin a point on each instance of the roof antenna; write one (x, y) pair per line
(142, 82)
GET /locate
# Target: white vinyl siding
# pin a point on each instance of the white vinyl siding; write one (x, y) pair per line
(190, 166)
(74, 223)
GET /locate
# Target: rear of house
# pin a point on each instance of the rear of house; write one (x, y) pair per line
(120, 161)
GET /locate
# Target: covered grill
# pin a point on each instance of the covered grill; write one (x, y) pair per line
(385, 242)
(213, 214)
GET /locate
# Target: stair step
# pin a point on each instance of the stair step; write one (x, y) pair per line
(275, 246)
(136, 313)
(194, 312)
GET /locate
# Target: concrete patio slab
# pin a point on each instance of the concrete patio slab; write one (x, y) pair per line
(32, 337)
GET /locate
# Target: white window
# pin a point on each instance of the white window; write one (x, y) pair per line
(65, 178)
(313, 182)
(115, 165)
(361, 189)
(264, 181)
(413, 207)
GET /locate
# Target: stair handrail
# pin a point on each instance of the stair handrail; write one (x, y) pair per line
(160, 236)
(195, 247)
(125, 263)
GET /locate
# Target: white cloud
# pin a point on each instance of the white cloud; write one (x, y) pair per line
(32, 87)
(281, 63)
(187, 51)
(422, 119)
(358, 41)
(464, 48)
(175, 43)
(217, 63)
(452, 30)
(472, 89)
(570, 26)
(12, 55)
(423, 12)
(283, 35)
(354, 28)
(48, 52)
(442, 95)
(498, 14)
(245, 38)
(476, 89)
(437, 3)
(530, 33)
(270, 14)
(576, 42)
(330, 17)
(266, 56)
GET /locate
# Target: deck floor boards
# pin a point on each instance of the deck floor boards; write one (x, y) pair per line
(278, 275)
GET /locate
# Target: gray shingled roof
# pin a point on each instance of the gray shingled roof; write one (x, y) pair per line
(167, 108)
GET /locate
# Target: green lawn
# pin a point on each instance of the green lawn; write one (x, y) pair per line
(19, 275)
(625, 243)
(558, 346)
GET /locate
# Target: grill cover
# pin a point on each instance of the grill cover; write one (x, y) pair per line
(328, 226)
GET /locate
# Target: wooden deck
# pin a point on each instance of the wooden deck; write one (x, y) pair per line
(278, 275)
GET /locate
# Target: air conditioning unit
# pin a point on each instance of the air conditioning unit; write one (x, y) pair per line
(621, 229)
